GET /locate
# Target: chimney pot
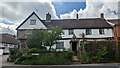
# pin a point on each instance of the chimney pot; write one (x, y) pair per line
(77, 16)
(102, 15)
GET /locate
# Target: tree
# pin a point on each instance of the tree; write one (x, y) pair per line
(35, 39)
(52, 36)
(83, 42)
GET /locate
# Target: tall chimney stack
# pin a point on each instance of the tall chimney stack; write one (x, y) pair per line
(77, 17)
(48, 17)
(102, 15)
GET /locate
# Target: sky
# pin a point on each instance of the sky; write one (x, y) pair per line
(64, 7)
(14, 12)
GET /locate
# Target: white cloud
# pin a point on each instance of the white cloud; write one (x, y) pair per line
(14, 13)
(94, 8)
(7, 29)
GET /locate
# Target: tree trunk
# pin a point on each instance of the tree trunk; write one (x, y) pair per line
(50, 48)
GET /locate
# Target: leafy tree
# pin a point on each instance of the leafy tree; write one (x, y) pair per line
(52, 36)
(35, 39)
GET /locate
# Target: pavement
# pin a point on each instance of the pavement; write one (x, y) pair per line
(5, 64)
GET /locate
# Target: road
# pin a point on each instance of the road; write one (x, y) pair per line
(67, 66)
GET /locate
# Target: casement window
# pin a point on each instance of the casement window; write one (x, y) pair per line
(60, 45)
(88, 32)
(33, 22)
(101, 31)
(71, 31)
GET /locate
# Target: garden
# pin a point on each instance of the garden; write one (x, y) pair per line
(36, 52)
(99, 52)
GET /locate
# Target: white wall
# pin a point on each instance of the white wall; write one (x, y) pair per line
(66, 44)
(95, 33)
(38, 25)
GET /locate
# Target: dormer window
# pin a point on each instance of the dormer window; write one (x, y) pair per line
(33, 22)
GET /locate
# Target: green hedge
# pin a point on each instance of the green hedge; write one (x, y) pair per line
(54, 58)
(99, 52)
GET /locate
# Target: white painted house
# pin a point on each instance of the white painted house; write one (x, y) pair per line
(94, 28)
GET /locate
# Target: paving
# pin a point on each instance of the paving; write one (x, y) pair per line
(5, 64)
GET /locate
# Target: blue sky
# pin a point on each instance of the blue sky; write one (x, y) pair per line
(65, 7)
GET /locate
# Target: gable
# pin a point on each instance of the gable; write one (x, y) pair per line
(27, 25)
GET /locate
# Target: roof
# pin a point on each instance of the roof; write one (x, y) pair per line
(115, 21)
(78, 23)
(8, 38)
(93, 23)
(33, 13)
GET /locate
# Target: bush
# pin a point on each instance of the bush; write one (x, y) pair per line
(54, 58)
(85, 58)
(14, 54)
(37, 50)
(96, 52)
(33, 50)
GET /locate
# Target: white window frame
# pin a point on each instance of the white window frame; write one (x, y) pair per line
(101, 31)
(88, 31)
(32, 21)
(71, 31)
(59, 43)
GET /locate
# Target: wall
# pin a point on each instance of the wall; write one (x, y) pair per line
(38, 25)
(95, 33)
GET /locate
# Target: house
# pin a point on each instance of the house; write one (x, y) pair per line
(116, 27)
(93, 28)
(7, 41)
(116, 31)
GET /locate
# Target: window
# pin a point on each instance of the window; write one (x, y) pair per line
(33, 22)
(88, 32)
(60, 45)
(71, 31)
(101, 31)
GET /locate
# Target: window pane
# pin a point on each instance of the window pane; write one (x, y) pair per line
(88, 32)
(60, 45)
(32, 22)
(71, 31)
(101, 31)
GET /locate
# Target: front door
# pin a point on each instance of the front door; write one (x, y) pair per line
(74, 47)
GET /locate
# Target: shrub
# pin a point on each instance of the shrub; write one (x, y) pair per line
(55, 58)
(33, 50)
(96, 52)
(85, 58)
(36, 50)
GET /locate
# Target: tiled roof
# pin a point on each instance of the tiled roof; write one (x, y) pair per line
(9, 39)
(115, 21)
(94, 23)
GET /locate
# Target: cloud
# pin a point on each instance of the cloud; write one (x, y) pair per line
(14, 13)
(6, 28)
(94, 8)
(5, 21)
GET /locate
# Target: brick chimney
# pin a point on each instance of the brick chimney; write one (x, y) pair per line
(48, 17)
(102, 15)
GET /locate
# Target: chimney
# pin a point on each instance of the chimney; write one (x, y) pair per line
(48, 17)
(102, 15)
(77, 16)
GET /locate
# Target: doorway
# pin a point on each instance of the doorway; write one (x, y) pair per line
(74, 47)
